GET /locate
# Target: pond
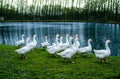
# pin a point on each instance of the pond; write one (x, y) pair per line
(98, 32)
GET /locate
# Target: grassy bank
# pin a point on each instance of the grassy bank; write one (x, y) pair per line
(40, 65)
(111, 22)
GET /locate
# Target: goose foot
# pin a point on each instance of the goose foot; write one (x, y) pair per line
(19, 46)
(32, 49)
(23, 56)
(65, 60)
(75, 56)
(55, 55)
(85, 55)
(73, 62)
(44, 47)
(104, 60)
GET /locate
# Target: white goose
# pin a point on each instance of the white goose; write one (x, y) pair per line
(24, 49)
(33, 44)
(69, 52)
(103, 53)
(22, 41)
(65, 45)
(44, 44)
(54, 49)
(54, 44)
(85, 49)
(76, 42)
(61, 42)
(67, 41)
(27, 41)
(62, 45)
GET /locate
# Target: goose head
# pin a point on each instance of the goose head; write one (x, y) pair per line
(61, 37)
(23, 35)
(76, 35)
(67, 35)
(70, 38)
(57, 35)
(45, 37)
(108, 41)
(35, 36)
(89, 40)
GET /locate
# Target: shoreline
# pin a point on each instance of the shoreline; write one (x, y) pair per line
(110, 22)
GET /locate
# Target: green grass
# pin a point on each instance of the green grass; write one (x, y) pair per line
(40, 65)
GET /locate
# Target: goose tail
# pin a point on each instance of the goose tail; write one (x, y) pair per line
(58, 53)
(94, 50)
(17, 50)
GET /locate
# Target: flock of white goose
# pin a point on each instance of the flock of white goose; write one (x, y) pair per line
(66, 50)
(29, 45)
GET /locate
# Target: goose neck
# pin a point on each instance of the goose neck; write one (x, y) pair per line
(56, 41)
(46, 39)
(34, 39)
(61, 40)
(107, 48)
(66, 39)
(106, 45)
(89, 44)
(70, 43)
(27, 40)
(75, 41)
(22, 37)
(77, 44)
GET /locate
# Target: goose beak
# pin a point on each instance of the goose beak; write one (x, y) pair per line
(91, 40)
(110, 41)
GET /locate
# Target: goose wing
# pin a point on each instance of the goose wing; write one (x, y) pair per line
(100, 51)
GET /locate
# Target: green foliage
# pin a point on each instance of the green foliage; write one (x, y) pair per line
(95, 10)
(39, 64)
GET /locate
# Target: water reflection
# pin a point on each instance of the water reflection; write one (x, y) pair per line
(99, 32)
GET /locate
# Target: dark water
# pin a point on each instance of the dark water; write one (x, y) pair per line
(99, 32)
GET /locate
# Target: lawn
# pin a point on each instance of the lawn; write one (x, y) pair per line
(39, 64)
